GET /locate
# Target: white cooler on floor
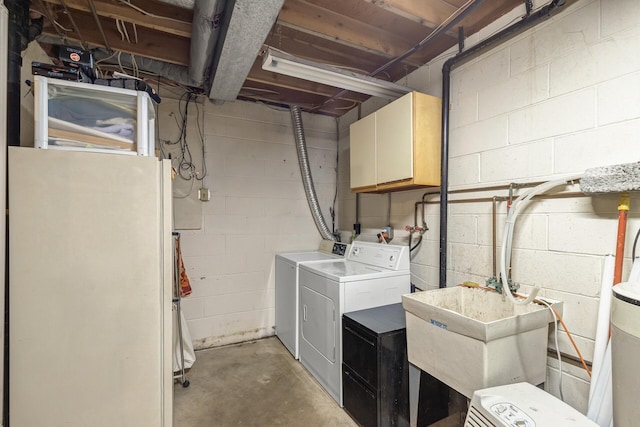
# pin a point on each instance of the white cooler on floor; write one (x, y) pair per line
(521, 405)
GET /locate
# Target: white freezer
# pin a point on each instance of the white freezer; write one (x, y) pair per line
(90, 290)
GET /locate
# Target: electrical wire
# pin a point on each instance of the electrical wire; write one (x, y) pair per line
(186, 168)
(144, 12)
(200, 126)
(555, 336)
(635, 244)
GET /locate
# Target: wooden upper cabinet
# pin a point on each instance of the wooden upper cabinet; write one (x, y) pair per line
(397, 147)
(363, 153)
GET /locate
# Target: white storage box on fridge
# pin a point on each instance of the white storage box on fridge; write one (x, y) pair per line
(81, 116)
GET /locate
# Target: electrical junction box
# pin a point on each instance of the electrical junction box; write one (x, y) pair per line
(521, 405)
(204, 194)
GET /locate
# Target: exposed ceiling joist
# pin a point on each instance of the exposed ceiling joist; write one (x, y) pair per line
(355, 35)
(428, 13)
(160, 17)
(312, 19)
(151, 44)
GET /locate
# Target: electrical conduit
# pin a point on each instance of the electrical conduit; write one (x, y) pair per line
(305, 171)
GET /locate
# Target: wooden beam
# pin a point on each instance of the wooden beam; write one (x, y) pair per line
(324, 23)
(173, 20)
(151, 44)
(326, 51)
(306, 103)
(429, 13)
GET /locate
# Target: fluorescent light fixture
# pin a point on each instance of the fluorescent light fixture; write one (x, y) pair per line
(283, 63)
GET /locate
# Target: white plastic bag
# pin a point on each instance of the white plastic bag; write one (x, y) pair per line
(187, 344)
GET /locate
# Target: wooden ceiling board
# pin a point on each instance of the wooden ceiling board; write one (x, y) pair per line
(428, 13)
(305, 102)
(306, 17)
(357, 35)
(163, 19)
(151, 44)
(325, 51)
(487, 13)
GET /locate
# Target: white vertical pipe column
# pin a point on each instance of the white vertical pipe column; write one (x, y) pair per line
(600, 397)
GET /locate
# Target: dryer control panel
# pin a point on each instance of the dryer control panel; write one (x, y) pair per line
(392, 257)
(334, 248)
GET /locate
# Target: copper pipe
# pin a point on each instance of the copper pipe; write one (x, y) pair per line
(623, 211)
(436, 190)
(85, 46)
(97, 19)
(489, 199)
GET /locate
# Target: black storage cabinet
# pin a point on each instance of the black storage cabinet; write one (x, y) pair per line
(375, 369)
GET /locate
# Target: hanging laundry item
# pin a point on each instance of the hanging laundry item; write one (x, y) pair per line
(185, 285)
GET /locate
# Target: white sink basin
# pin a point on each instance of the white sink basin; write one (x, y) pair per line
(472, 339)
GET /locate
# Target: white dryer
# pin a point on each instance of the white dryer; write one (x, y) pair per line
(371, 275)
(287, 267)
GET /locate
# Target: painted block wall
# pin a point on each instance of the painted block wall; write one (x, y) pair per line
(257, 209)
(551, 102)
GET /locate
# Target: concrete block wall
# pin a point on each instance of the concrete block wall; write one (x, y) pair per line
(551, 102)
(257, 209)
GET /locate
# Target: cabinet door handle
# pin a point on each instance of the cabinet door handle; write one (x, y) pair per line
(304, 312)
(368, 341)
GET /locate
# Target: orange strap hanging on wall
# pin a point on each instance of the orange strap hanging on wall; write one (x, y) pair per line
(185, 285)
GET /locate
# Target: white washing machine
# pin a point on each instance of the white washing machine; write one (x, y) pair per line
(371, 275)
(287, 267)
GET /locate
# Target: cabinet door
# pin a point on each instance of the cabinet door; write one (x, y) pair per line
(363, 152)
(394, 140)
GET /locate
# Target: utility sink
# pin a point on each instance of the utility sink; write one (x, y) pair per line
(471, 339)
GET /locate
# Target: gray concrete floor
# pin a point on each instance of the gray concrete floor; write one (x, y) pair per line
(257, 383)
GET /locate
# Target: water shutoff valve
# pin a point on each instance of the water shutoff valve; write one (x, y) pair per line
(387, 233)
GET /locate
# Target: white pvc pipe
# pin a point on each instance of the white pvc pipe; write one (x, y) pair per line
(602, 328)
(505, 253)
(601, 407)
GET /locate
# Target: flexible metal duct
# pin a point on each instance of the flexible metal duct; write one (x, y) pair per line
(305, 171)
(207, 19)
(173, 72)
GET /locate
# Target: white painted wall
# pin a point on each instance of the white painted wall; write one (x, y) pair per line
(257, 209)
(553, 101)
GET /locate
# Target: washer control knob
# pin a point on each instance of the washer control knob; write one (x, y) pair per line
(392, 257)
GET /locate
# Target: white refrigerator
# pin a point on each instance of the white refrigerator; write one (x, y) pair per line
(90, 290)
